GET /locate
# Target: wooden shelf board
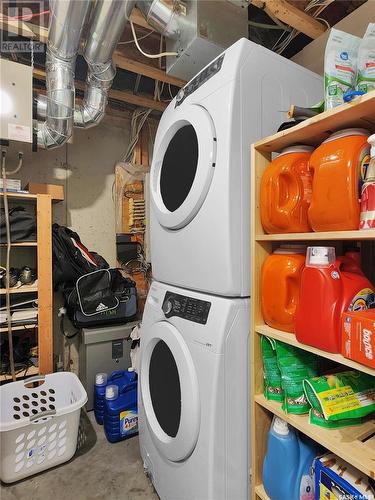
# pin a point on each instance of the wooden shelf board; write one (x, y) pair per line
(356, 235)
(17, 328)
(290, 338)
(349, 443)
(21, 289)
(33, 370)
(358, 113)
(21, 244)
(261, 493)
(26, 196)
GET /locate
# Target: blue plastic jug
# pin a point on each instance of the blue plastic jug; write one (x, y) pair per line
(120, 378)
(121, 411)
(287, 464)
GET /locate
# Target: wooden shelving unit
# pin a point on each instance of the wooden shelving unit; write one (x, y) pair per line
(43, 290)
(354, 444)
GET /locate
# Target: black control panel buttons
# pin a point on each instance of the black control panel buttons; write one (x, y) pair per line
(186, 307)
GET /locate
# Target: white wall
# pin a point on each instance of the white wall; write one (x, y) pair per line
(86, 170)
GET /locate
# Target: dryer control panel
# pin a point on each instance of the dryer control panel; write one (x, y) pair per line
(186, 307)
(199, 80)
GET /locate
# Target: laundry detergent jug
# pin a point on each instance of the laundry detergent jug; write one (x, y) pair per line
(329, 286)
(287, 466)
(119, 377)
(280, 284)
(338, 167)
(285, 192)
(121, 411)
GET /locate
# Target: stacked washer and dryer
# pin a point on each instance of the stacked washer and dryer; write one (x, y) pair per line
(194, 387)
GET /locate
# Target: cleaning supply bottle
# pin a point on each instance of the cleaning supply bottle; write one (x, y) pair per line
(329, 286)
(101, 380)
(288, 463)
(367, 217)
(285, 192)
(121, 411)
(280, 284)
(121, 378)
(338, 166)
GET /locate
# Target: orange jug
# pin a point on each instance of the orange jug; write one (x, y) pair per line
(280, 286)
(338, 166)
(285, 192)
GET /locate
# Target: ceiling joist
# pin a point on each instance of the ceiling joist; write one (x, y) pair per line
(292, 16)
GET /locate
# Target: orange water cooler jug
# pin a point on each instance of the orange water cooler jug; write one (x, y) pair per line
(338, 167)
(285, 192)
(329, 286)
(280, 286)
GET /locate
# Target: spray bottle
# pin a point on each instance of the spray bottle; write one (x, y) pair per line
(367, 217)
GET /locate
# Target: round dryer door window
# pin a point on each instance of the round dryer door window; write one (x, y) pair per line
(170, 393)
(183, 166)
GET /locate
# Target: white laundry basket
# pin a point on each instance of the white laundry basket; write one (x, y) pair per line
(38, 423)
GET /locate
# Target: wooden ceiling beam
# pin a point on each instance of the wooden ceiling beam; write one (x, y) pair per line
(118, 95)
(292, 16)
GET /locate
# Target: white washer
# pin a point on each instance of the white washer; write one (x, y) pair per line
(200, 174)
(194, 395)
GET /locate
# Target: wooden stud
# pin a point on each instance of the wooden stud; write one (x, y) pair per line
(44, 259)
(292, 16)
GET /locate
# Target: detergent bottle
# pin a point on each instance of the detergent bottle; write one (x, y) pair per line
(367, 217)
(121, 411)
(280, 284)
(329, 286)
(285, 192)
(288, 463)
(119, 377)
(338, 166)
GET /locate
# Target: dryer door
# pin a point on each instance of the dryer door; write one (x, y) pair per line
(170, 394)
(183, 166)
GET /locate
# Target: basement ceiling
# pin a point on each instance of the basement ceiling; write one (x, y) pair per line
(136, 77)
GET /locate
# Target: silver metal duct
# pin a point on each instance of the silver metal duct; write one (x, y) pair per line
(162, 15)
(65, 29)
(106, 27)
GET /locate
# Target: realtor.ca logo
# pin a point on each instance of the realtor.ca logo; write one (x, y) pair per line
(21, 26)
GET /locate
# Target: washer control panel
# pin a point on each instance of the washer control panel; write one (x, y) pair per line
(199, 80)
(186, 307)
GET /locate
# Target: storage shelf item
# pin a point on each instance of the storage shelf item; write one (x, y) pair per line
(17, 328)
(31, 370)
(290, 338)
(43, 289)
(356, 445)
(20, 289)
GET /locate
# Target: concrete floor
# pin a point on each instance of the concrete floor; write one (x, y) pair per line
(99, 470)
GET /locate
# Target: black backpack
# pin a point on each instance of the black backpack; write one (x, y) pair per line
(71, 259)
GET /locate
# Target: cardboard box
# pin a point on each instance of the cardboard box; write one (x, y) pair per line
(335, 479)
(56, 191)
(358, 336)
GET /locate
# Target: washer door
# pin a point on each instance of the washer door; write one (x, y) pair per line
(170, 394)
(183, 167)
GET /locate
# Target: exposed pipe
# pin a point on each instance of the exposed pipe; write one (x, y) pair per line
(162, 15)
(67, 19)
(106, 27)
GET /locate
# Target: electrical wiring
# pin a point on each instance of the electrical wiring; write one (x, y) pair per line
(26, 17)
(151, 56)
(140, 38)
(269, 26)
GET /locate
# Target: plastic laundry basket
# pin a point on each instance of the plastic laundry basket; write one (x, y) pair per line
(39, 423)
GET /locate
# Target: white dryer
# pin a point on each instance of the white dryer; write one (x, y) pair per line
(200, 174)
(194, 395)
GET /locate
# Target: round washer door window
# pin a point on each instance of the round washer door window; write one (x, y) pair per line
(183, 166)
(170, 394)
